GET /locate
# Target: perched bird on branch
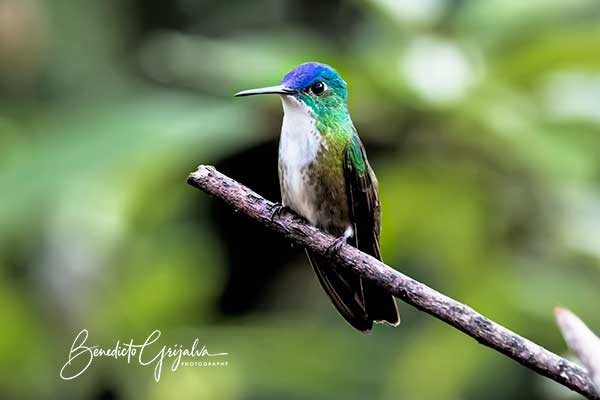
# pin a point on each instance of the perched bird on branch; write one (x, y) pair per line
(325, 177)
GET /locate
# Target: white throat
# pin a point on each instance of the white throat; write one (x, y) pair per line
(300, 138)
(298, 146)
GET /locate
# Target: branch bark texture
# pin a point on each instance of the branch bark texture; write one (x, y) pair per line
(415, 293)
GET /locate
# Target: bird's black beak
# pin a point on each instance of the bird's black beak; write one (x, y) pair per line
(279, 89)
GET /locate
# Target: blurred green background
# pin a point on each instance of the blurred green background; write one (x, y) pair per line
(482, 122)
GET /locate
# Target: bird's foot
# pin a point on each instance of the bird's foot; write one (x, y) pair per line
(278, 210)
(340, 241)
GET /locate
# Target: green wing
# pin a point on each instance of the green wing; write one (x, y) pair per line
(365, 214)
(363, 201)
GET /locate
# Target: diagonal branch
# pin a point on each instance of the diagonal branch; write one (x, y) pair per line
(417, 294)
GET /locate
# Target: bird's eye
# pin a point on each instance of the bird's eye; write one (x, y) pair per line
(318, 87)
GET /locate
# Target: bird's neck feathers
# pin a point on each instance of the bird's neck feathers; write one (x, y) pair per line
(330, 116)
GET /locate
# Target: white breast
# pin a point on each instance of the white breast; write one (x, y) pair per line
(299, 145)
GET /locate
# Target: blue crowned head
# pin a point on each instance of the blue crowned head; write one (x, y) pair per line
(315, 90)
(314, 84)
(315, 78)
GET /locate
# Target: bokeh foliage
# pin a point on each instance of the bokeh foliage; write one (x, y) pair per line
(490, 114)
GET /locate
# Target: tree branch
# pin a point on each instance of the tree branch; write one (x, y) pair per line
(417, 294)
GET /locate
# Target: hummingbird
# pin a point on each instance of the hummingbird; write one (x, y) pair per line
(325, 177)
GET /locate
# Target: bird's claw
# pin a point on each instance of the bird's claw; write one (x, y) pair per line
(277, 209)
(336, 245)
(340, 241)
(276, 214)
